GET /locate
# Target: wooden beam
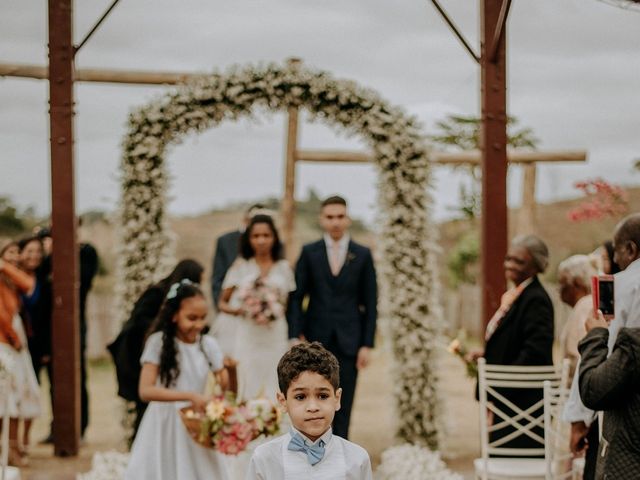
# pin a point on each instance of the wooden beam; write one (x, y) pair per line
(332, 156)
(470, 157)
(288, 200)
(527, 218)
(65, 320)
(100, 75)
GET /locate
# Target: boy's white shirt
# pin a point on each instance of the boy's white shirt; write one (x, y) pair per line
(343, 460)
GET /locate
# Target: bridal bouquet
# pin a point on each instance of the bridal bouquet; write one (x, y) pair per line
(260, 302)
(228, 426)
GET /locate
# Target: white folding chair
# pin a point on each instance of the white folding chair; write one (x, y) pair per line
(559, 461)
(6, 472)
(492, 379)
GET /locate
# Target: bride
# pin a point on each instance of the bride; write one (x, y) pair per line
(254, 296)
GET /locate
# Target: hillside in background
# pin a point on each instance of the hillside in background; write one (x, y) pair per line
(563, 237)
(195, 235)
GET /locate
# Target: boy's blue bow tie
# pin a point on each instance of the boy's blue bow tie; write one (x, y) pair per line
(314, 452)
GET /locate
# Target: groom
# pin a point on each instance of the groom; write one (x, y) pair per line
(338, 277)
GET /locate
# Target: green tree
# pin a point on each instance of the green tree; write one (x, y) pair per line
(11, 222)
(460, 133)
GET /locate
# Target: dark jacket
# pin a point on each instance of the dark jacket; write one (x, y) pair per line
(38, 310)
(227, 248)
(525, 334)
(127, 348)
(523, 337)
(344, 305)
(613, 386)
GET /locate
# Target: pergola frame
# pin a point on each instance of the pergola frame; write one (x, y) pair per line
(62, 75)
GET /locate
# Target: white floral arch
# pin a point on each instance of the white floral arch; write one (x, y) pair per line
(409, 277)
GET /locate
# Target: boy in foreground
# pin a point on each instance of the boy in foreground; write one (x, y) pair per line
(308, 377)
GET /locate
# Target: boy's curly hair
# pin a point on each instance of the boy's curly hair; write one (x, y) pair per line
(307, 357)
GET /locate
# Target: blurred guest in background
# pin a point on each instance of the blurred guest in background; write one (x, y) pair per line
(23, 396)
(521, 330)
(574, 279)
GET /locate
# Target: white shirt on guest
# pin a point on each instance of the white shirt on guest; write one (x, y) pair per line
(343, 247)
(342, 460)
(626, 295)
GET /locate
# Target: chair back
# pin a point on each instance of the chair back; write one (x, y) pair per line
(557, 433)
(523, 422)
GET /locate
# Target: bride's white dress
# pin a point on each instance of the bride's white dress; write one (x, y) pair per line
(257, 348)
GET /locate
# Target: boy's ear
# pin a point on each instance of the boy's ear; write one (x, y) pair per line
(282, 400)
(338, 397)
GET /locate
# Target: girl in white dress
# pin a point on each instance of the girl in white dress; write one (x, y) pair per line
(176, 362)
(261, 336)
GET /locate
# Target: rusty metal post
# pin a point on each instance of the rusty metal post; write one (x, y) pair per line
(65, 331)
(494, 159)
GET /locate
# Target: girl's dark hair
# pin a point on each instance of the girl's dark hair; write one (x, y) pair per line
(608, 246)
(246, 250)
(189, 269)
(169, 368)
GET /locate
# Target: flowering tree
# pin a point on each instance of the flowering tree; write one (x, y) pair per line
(409, 277)
(602, 200)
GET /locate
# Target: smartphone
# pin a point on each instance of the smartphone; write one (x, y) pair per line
(602, 292)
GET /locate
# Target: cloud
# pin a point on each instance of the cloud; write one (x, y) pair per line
(572, 70)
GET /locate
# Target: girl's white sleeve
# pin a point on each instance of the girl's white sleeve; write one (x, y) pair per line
(152, 349)
(214, 352)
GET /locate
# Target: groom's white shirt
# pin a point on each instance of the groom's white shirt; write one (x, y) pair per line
(343, 247)
(626, 295)
(342, 460)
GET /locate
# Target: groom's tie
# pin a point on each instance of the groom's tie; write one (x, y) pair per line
(334, 260)
(314, 452)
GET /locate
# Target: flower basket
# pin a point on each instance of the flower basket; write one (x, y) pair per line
(228, 426)
(193, 423)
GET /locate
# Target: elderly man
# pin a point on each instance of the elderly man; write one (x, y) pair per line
(610, 384)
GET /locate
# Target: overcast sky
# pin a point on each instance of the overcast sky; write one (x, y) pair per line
(573, 70)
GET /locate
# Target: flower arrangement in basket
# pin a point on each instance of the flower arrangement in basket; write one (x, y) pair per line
(228, 426)
(261, 303)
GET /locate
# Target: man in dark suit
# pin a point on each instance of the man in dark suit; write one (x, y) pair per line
(339, 278)
(226, 252)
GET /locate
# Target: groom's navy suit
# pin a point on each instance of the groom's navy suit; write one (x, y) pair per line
(341, 313)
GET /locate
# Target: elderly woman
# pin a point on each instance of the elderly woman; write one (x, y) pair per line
(574, 279)
(521, 330)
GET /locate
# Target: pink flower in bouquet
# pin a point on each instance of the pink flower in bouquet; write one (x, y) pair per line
(234, 438)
